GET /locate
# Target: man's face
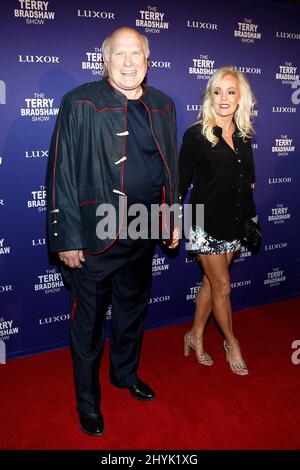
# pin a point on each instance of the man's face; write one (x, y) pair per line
(127, 63)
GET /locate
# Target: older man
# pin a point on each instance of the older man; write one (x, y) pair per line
(114, 142)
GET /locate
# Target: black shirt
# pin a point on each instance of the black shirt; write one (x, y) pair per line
(222, 180)
(143, 177)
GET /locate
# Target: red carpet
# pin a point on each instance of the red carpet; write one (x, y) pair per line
(197, 407)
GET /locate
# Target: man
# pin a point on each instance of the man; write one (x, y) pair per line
(114, 140)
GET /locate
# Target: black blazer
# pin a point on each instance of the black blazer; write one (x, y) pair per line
(222, 181)
(86, 165)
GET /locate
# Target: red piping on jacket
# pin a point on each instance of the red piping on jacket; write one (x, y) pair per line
(56, 155)
(74, 308)
(95, 253)
(162, 156)
(150, 120)
(55, 159)
(124, 153)
(162, 111)
(57, 136)
(87, 202)
(96, 109)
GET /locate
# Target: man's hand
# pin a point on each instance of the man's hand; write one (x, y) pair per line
(175, 239)
(72, 259)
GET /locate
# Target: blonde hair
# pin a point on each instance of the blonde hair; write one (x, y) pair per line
(242, 116)
(106, 45)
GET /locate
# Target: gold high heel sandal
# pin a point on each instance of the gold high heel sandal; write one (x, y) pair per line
(191, 342)
(240, 367)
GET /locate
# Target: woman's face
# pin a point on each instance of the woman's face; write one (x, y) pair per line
(225, 96)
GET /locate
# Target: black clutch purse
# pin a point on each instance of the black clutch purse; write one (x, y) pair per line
(252, 234)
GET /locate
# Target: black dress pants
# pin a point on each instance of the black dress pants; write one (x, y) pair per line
(121, 275)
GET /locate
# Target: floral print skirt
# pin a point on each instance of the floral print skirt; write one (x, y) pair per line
(202, 243)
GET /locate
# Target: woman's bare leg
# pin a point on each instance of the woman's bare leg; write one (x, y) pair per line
(203, 308)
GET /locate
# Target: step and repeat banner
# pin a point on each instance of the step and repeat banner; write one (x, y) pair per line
(48, 48)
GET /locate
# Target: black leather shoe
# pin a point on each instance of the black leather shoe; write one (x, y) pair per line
(91, 423)
(142, 391)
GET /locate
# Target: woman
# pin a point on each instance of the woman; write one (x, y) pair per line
(216, 154)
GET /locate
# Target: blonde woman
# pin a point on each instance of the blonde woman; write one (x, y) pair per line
(216, 154)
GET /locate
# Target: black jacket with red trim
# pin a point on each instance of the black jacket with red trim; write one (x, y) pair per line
(86, 165)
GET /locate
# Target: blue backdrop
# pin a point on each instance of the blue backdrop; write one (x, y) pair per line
(47, 48)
